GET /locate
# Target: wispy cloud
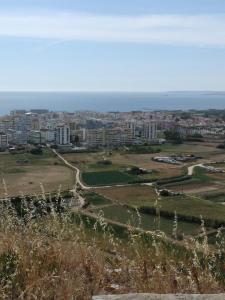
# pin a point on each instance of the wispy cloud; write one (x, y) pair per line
(196, 30)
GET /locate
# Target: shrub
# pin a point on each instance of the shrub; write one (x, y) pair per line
(105, 162)
(36, 151)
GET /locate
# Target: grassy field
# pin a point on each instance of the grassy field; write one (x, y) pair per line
(96, 199)
(132, 195)
(187, 148)
(188, 206)
(201, 182)
(215, 196)
(106, 178)
(136, 196)
(87, 162)
(23, 173)
(147, 222)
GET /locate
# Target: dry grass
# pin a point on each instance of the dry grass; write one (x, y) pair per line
(84, 160)
(23, 173)
(53, 258)
(28, 182)
(133, 195)
(196, 188)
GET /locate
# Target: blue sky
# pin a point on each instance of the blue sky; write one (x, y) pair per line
(119, 45)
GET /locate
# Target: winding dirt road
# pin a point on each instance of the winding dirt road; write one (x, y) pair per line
(78, 181)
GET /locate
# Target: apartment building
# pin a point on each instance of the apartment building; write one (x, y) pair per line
(109, 137)
(79, 134)
(62, 135)
(95, 138)
(17, 137)
(3, 140)
(149, 131)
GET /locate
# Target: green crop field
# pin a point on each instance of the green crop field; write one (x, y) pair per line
(187, 206)
(147, 222)
(106, 178)
(193, 206)
(95, 199)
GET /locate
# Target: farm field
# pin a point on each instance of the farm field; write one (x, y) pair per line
(202, 181)
(187, 206)
(147, 222)
(131, 195)
(106, 178)
(117, 211)
(88, 162)
(23, 173)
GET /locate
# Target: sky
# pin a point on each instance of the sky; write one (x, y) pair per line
(117, 45)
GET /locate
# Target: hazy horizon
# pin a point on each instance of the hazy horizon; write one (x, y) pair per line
(111, 101)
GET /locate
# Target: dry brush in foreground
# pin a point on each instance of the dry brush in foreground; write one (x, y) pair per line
(50, 256)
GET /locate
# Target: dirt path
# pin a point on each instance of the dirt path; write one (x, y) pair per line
(78, 181)
(78, 172)
(192, 168)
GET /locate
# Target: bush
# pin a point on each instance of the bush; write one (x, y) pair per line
(174, 137)
(104, 162)
(36, 151)
(137, 171)
(143, 149)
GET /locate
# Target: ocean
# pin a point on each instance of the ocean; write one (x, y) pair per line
(103, 102)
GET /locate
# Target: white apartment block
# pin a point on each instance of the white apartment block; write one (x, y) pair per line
(62, 135)
(149, 131)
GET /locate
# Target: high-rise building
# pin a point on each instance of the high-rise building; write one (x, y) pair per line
(149, 131)
(62, 135)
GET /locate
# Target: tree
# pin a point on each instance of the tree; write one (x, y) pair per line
(173, 136)
(36, 151)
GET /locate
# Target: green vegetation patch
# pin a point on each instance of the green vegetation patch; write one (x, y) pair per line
(190, 209)
(96, 199)
(215, 196)
(106, 178)
(200, 174)
(147, 222)
(143, 149)
(96, 167)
